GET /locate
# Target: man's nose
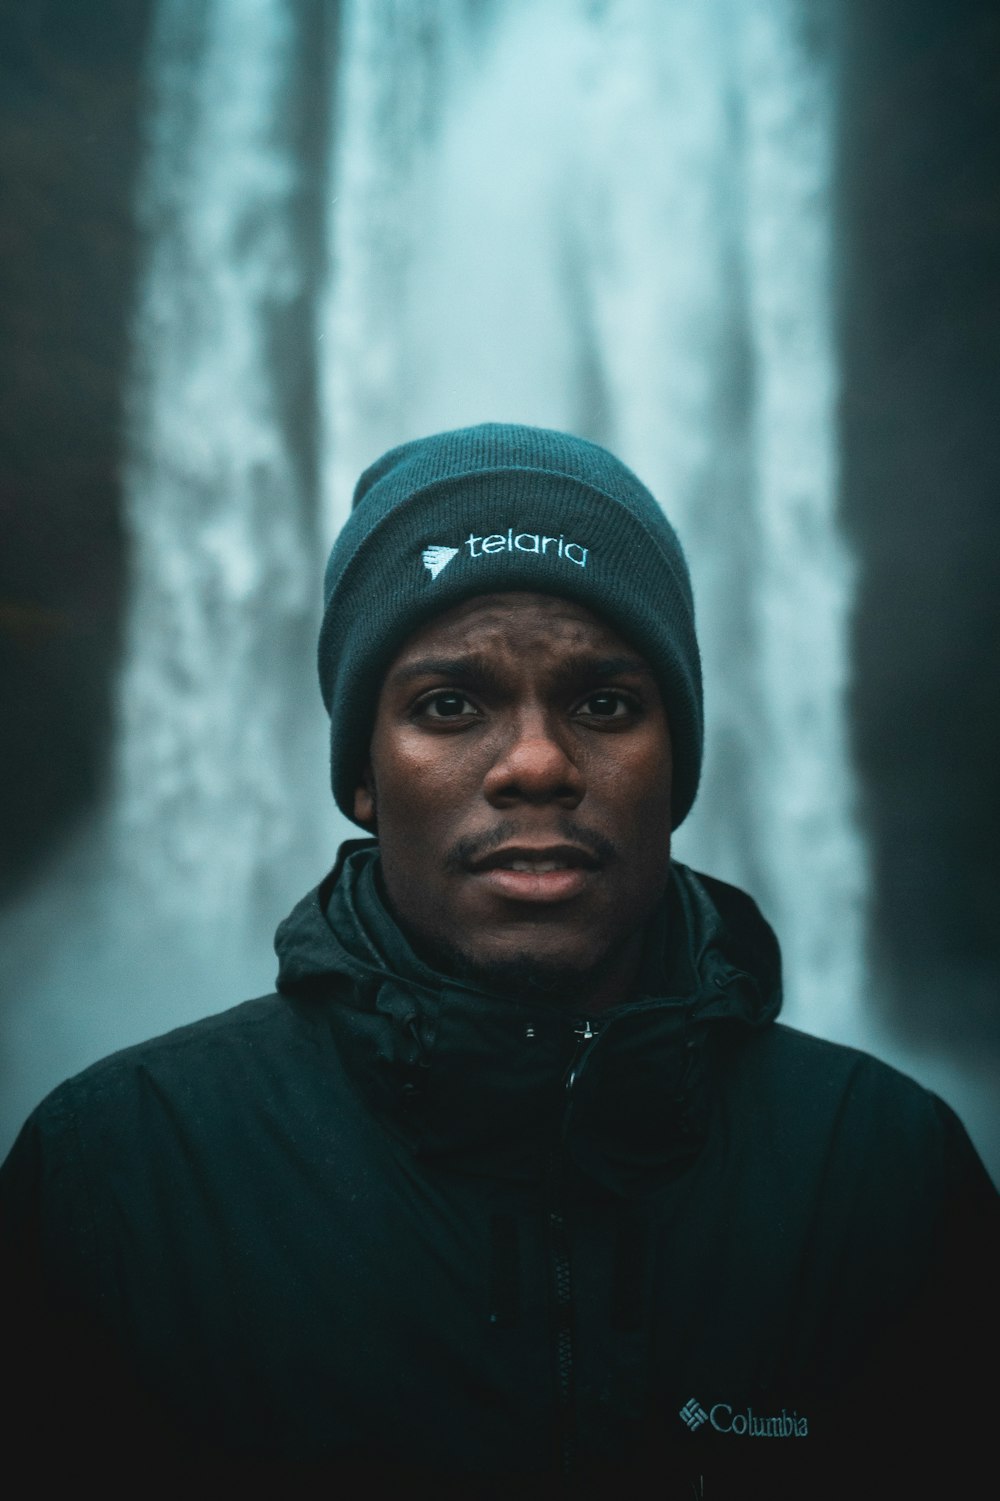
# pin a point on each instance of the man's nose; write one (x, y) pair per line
(535, 765)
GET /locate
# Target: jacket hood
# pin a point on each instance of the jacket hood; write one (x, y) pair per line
(490, 1080)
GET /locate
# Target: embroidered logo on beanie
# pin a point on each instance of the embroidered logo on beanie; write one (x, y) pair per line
(437, 557)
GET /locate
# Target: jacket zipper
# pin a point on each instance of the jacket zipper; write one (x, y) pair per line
(561, 1271)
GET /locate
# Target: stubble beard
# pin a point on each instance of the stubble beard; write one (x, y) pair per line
(529, 977)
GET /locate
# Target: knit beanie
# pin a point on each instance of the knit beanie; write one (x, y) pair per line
(497, 508)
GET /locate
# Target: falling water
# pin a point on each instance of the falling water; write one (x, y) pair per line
(615, 219)
(608, 217)
(224, 558)
(219, 812)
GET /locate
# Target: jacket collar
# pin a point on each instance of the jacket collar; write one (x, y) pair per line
(492, 1083)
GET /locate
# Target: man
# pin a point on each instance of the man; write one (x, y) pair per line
(515, 1187)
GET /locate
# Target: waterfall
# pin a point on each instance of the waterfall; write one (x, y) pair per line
(211, 779)
(219, 812)
(609, 217)
(615, 218)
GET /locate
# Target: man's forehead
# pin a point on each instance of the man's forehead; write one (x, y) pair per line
(566, 622)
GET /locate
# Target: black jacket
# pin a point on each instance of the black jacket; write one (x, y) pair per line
(381, 1227)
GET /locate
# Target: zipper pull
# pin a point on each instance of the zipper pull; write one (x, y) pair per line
(586, 1034)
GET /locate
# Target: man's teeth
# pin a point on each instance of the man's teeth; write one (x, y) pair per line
(537, 867)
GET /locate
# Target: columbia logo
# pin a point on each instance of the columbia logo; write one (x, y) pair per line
(436, 558)
(693, 1414)
(747, 1424)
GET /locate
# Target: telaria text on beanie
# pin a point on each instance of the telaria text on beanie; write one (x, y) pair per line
(496, 508)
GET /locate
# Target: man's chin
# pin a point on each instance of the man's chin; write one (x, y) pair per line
(523, 976)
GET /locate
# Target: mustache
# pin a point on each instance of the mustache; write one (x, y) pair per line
(464, 851)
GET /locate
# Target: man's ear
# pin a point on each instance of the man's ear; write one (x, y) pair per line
(364, 800)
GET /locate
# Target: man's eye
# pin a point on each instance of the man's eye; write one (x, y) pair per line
(448, 704)
(606, 705)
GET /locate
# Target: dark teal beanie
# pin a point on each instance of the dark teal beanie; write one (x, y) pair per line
(493, 508)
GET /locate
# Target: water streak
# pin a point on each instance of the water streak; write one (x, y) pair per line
(225, 564)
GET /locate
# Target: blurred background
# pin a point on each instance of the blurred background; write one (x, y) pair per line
(247, 245)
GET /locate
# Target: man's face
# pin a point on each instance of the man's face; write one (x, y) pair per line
(519, 785)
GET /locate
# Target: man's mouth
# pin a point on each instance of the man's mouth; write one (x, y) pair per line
(524, 874)
(539, 866)
(537, 859)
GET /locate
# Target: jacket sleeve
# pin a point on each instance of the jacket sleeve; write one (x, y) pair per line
(71, 1411)
(36, 1334)
(928, 1389)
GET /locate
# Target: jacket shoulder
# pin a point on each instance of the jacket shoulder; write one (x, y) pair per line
(239, 1052)
(851, 1119)
(837, 1075)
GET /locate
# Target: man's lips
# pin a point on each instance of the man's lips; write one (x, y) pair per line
(536, 873)
(536, 857)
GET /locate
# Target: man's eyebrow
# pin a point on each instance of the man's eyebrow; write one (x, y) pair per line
(476, 665)
(445, 667)
(608, 667)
